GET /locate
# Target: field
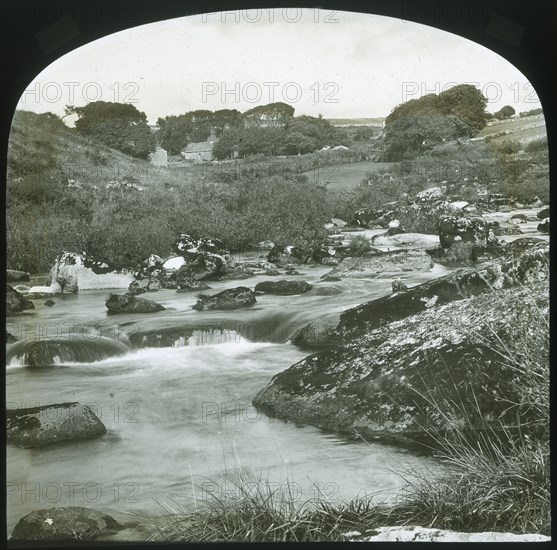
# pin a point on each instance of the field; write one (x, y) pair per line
(344, 177)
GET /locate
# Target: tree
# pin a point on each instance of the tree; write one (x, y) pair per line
(422, 123)
(505, 112)
(117, 125)
(273, 114)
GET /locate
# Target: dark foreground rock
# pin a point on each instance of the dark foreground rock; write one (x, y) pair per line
(283, 288)
(127, 303)
(526, 261)
(16, 302)
(38, 426)
(543, 227)
(232, 298)
(543, 213)
(386, 382)
(68, 524)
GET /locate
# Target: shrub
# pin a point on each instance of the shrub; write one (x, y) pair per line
(359, 246)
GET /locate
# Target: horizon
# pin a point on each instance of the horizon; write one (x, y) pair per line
(353, 66)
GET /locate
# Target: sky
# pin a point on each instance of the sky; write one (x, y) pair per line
(338, 64)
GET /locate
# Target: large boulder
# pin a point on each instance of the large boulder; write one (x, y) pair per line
(283, 288)
(186, 244)
(199, 266)
(72, 272)
(387, 382)
(66, 524)
(13, 276)
(16, 302)
(407, 240)
(38, 426)
(128, 303)
(526, 261)
(231, 298)
(430, 194)
(369, 265)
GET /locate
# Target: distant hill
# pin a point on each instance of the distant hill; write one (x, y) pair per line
(375, 121)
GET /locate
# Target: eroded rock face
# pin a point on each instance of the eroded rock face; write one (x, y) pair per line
(231, 298)
(369, 265)
(283, 288)
(70, 523)
(128, 303)
(16, 302)
(38, 426)
(384, 382)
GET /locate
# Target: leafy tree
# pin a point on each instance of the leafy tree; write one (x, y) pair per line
(419, 124)
(505, 112)
(117, 125)
(273, 114)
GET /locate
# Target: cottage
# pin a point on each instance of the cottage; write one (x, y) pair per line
(199, 152)
(159, 157)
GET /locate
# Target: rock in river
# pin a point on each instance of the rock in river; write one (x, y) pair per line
(392, 261)
(231, 298)
(16, 302)
(66, 524)
(127, 303)
(38, 426)
(283, 288)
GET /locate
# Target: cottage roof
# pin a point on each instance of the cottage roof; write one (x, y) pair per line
(202, 147)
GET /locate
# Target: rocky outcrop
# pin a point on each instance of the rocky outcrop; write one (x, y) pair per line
(424, 534)
(231, 298)
(13, 276)
(370, 217)
(283, 288)
(386, 382)
(38, 426)
(67, 524)
(128, 303)
(16, 302)
(392, 261)
(526, 261)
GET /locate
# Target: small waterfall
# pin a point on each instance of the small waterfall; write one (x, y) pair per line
(58, 351)
(214, 336)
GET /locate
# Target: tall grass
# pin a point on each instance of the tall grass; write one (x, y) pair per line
(498, 473)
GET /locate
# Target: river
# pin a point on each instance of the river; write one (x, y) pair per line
(179, 418)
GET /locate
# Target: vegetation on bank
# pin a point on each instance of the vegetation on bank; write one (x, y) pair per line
(491, 480)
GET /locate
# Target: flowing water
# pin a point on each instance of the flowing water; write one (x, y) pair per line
(179, 417)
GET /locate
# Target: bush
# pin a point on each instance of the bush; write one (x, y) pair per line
(359, 246)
